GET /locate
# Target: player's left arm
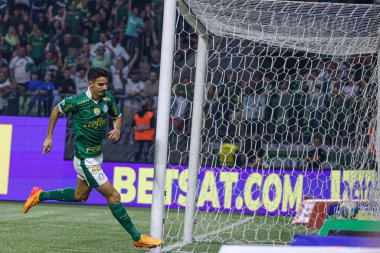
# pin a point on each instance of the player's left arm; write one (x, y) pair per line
(114, 112)
(114, 135)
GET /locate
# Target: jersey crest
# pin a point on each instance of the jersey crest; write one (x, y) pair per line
(97, 111)
(105, 108)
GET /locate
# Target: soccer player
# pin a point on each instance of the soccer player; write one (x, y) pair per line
(89, 110)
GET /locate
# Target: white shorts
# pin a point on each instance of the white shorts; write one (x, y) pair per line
(90, 169)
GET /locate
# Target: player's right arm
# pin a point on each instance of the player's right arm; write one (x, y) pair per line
(65, 106)
(48, 143)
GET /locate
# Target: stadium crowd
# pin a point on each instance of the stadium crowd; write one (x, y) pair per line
(323, 102)
(47, 47)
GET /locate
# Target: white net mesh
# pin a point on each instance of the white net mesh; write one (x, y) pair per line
(333, 29)
(289, 114)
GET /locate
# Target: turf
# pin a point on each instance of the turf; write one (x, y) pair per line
(86, 228)
(66, 228)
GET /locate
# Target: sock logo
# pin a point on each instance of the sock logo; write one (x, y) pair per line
(5, 156)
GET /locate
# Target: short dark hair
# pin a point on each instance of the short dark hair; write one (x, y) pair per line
(96, 72)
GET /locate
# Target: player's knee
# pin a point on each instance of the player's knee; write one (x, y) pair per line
(115, 198)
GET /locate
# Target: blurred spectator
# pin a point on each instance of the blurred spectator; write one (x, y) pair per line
(67, 85)
(53, 47)
(184, 93)
(41, 20)
(337, 114)
(3, 60)
(5, 71)
(13, 98)
(151, 88)
(37, 7)
(101, 7)
(314, 102)
(134, 27)
(96, 29)
(47, 94)
(23, 5)
(133, 90)
(119, 12)
(253, 104)
(144, 130)
(65, 44)
(85, 11)
(11, 40)
(269, 92)
(20, 68)
(4, 87)
(73, 20)
(282, 110)
(102, 43)
(150, 38)
(228, 93)
(82, 62)
(71, 59)
(298, 93)
(85, 51)
(100, 58)
(316, 154)
(118, 51)
(55, 30)
(38, 40)
(50, 64)
(120, 73)
(79, 76)
(350, 90)
(19, 17)
(22, 34)
(35, 94)
(252, 152)
(154, 61)
(228, 152)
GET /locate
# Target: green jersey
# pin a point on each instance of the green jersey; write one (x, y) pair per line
(89, 120)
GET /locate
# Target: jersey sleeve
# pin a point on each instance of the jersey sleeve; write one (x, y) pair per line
(67, 105)
(114, 111)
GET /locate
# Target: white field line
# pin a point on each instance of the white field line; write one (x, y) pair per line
(202, 237)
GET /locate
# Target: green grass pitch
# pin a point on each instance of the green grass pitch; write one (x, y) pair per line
(66, 228)
(87, 228)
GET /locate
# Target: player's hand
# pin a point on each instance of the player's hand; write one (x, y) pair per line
(48, 143)
(114, 135)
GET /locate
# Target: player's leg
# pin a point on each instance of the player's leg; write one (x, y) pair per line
(121, 215)
(91, 171)
(80, 193)
(82, 190)
(64, 195)
(37, 195)
(118, 211)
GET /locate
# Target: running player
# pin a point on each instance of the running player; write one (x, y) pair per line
(89, 110)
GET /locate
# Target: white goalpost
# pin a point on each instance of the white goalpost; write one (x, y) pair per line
(262, 104)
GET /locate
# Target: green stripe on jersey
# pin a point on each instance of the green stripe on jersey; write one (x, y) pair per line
(90, 179)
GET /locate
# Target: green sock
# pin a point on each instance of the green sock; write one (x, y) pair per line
(65, 195)
(118, 211)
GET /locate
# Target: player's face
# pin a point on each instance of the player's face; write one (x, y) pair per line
(99, 87)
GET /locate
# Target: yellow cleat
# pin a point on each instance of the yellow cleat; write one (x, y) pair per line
(147, 242)
(33, 198)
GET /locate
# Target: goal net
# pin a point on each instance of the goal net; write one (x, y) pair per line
(289, 112)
